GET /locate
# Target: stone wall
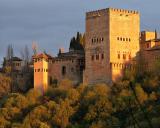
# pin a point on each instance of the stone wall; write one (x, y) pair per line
(66, 68)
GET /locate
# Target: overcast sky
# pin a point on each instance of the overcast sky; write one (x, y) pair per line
(51, 23)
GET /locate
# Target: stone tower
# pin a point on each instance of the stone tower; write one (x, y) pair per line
(41, 72)
(112, 42)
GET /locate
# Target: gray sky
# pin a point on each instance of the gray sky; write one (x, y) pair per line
(52, 23)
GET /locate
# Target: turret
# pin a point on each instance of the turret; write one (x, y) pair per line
(41, 72)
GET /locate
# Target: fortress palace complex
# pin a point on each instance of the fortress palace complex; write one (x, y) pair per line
(113, 43)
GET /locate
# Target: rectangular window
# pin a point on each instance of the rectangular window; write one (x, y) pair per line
(97, 57)
(124, 56)
(119, 56)
(63, 70)
(92, 57)
(102, 56)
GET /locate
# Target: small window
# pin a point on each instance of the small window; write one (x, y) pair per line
(123, 39)
(38, 70)
(97, 57)
(63, 70)
(92, 57)
(92, 40)
(117, 38)
(124, 56)
(102, 56)
(147, 45)
(35, 70)
(126, 39)
(102, 39)
(119, 56)
(46, 70)
(129, 40)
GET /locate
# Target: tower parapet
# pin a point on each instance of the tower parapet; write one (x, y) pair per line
(98, 13)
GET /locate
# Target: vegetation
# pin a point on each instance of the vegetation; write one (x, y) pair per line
(78, 42)
(130, 103)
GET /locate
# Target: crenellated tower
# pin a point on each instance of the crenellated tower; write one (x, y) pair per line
(112, 43)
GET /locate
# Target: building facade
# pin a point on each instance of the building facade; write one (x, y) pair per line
(112, 44)
(48, 70)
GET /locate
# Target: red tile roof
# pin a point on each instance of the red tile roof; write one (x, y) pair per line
(42, 55)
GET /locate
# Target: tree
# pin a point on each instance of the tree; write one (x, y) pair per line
(100, 110)
(25, 54)
(5, 85)
(65, 84)
(10, 52)
(63, 113)
(34, 48)
(142, 96)
(76, 43)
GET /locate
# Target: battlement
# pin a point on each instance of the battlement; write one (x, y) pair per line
(98, 13)
(125, 11)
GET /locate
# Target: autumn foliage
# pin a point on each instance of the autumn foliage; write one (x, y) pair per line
(130, 103)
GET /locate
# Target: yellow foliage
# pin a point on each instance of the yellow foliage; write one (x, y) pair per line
(66, 84)
(153, 96)
(142, 96)
(125, 93)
